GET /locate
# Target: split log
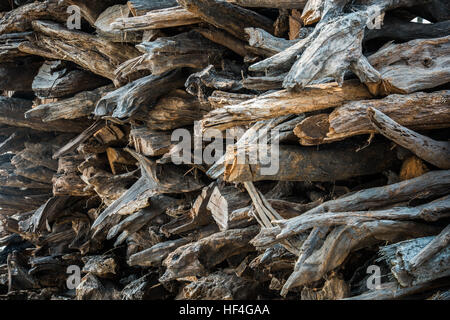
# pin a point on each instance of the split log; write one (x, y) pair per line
(419, 111)
(219, 286)
(9, 45)
(223, 202)
(434, 152)
(232, 18)
(269, 131)
(150, 143)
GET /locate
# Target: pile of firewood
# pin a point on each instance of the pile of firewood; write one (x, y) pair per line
(93, 204)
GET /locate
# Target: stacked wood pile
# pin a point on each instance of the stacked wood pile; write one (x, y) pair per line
(88, 178)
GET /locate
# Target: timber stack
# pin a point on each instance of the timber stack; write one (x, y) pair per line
(117, 166)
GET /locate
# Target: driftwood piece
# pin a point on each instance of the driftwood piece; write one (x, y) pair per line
(282, 102)
(232, 18)
(156, 19)
(431, 183)
(420, 111)
(345, 239)
(434, 152)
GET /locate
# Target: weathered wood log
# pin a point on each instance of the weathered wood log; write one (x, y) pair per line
(141, 7)
(12, 112)
(232, 18)
(345, 239)
(20, 19)
(430, 184)
(435, 152)
(127, 100)
(432, 211)
(200, 84)
(91, 10)
(262, 39)
(440, 242)
(302, 164)
(57, 79)
(156, 19)
(104, 25)
(196, 258)
(419, 111)
(218, 286)
(150, 143)
(227, 40)
(189, 49)
(56, 42)
(9, 45)
(281, 4)
(79, 106)
(399, 255)
(392, 291)
(175, 110)
(412, 66)
(67, 180)
(321, 60)
(282, 102)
